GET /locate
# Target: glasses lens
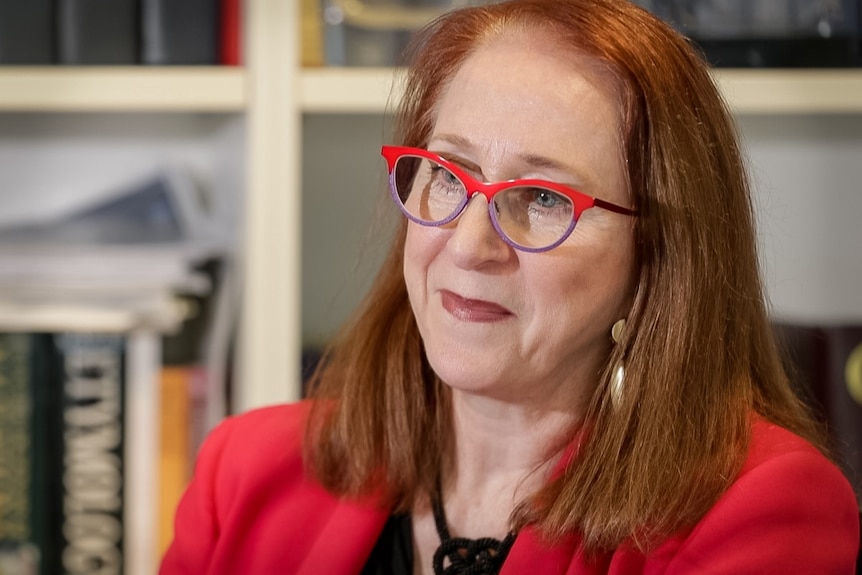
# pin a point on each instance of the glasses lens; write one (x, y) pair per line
(534, 218)
(429, 192)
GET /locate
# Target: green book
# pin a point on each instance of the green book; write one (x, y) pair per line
(16, 446)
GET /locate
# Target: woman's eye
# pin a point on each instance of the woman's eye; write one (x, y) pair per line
(546, 199)
(445, 177)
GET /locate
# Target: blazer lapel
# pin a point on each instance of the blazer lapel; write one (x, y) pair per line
(344, 544)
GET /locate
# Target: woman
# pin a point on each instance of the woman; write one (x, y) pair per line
(572, 372)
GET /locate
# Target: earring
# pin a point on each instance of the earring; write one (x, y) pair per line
(617, 330)
(618, 376)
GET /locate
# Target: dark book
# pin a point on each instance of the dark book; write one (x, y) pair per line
(180, 32)
(97, 32)
(46, 376)
(765, 33)
(29, 466)
(826, 363)
(26, 32)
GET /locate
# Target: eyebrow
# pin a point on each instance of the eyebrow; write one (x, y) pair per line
(532, 160)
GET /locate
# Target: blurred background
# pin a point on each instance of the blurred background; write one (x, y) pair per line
(192, 201)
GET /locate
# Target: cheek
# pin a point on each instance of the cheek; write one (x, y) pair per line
(420, 247)
(601, 279)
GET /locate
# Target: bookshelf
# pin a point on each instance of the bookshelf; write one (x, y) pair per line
(273, 94)
(61, 128)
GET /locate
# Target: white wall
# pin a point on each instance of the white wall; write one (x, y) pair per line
(807, 176)
(347, 217)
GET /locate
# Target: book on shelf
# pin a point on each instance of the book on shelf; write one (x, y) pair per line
(825, 361)
(180, 32)
(231, 32)
(311, 34)
(26, 32)
(17, 496)
(71, 476)
(91, 452)
(97, 32)
(175, 445)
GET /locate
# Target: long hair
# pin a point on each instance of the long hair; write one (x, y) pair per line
(699, 355)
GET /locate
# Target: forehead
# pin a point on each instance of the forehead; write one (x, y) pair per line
(523, 93)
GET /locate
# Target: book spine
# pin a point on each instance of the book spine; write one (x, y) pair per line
(174, 446)
(26, 32)
(93, 470)
(231, 25)
(15, 442)
(97, 32)
(179, 32)
(47, 463)
(311, 34)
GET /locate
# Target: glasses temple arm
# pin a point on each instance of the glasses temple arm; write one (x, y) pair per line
(613, 207)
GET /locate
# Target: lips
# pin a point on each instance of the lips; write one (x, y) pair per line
(473, 310)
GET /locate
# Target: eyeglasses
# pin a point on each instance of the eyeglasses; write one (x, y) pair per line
(530, 215)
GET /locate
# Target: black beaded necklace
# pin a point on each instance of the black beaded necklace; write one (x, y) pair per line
(483, 556)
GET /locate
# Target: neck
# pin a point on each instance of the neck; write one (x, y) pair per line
(503, 453)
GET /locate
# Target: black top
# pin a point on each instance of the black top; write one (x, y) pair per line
(393, 553)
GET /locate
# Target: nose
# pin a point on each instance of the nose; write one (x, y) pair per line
(475, 241)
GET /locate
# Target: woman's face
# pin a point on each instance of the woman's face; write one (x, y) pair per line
(495, 321)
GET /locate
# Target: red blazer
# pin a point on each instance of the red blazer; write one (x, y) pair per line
(251, 509)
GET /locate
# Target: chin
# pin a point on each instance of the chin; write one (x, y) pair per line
(466, 372)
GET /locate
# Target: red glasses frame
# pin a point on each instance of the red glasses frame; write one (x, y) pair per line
(580, 201)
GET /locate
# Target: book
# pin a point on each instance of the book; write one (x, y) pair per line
(46, 375)
(91, 451)
(231, 36)
(97, 32)
(29, 478)
(16, 450)
(826, 363)
(26, 32)
(175, 459)
(180, 32)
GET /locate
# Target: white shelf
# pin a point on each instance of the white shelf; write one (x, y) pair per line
(759, 91)
(348, 90)
(122, 89)
(754, 91)
(358, 90)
